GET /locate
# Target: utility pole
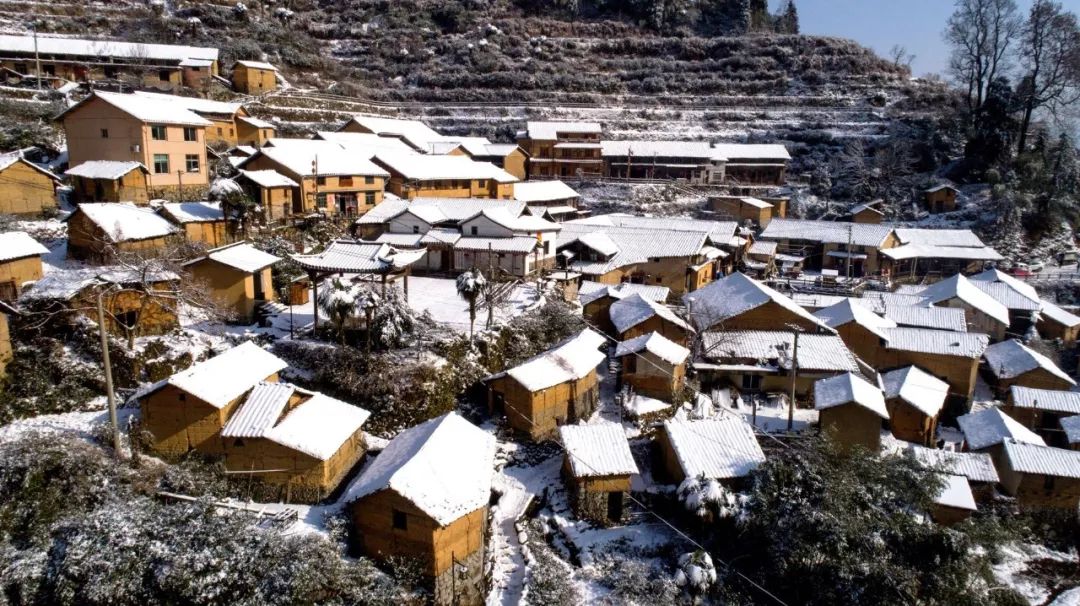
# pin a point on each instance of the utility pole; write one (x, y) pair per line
(847, 272)
(794, 364)
(37, 60)
(108, 374)
(180, 184)
(315, 177)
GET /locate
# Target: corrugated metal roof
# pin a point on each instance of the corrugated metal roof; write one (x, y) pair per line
(937, 342)
(259, 412)
(598, 450)
(1071, 426)
(715, 448)
(816, 352)
(939, 318)
(849, 310)
(104, 169)
(444, 209)
(1010, 359)
(859, 234)
(975, 466)
(849, 388)
(1067, 402)
(1059, 315)
(636, 245)
(735, 295)
(1007, 296)
(630, 311)
(939, 237)
(590, 291)
(990, 427)
(721, 232)
(243, 256)
(1042, 460)
(959, 287)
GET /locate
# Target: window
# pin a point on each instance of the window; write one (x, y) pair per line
(415, 229)
(191, 163)
(110, 72)
(161, 164)
(320, 180)
(399, 520)
(232, 133)
(50, 70)
(369, 198)
(238, 442)
(320, 201)
(474, 230)
(547, 247)
(344, 181)
(220, 131)
(369, 180)
(164, 75)
(183, 397)
(104, 133)
(158, 132)
(190, 134)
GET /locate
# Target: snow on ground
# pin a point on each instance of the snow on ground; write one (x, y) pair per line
(439, 297)
(772, 416)
(1015, 570)
(82, 424)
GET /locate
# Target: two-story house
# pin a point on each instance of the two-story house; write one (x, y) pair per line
(562, 149)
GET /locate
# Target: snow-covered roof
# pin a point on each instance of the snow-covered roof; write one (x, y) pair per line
(11, 158)
(568, 361)
(848, 311)
(879, 301)
(827, 232)
(227, 376)
(318, 426)
(124, 222)
(956, 493)
(991, 426)
(630, 311)
(424, 167)
(358, 257)
(549, 131)
(195, 104)
(940, 187)
(19, 244)
(438, 210)
(720, 232)
(939, 237)
(526, 223)
(762, 247)
(241, 256)
(443, 466)
(194, 212)
(403, 240)
(591, 291)
(635, 245)
(331, 158)
(816, 352)
(597, 450)
(849, 388)
(656, 344)
(925, 251)
(714, 448)
(751, 151)
(959, 287)
(918, 388)
(104, 169)
(260, 410)
(1010, 359)
(975, 466)
(1007, 290)
(1042, 460)
(414, 132)
(440, 235)
(269, 178)
(644, 150)
(256, 64)
(61, 285)
(1071, 427)
(1061, 316)
(939, 318)
(146, 109)
(255, 122)
(366, 143)
(737, 294)
(48, 45)
(543, 191)
(937, 342)
(1066, 402)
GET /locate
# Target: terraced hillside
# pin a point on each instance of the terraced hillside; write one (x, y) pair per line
(485, 68)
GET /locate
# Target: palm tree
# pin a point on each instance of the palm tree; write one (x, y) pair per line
(469, 286)
(339, 303)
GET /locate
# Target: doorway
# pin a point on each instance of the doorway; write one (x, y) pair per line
(615, 506)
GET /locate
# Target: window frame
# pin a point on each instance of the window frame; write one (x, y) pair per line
(193, 132)
(157, 158)
(154, 131)
(187, 163)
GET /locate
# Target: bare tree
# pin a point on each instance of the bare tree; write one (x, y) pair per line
(1050, 62)
(901, 57)
(980, 33)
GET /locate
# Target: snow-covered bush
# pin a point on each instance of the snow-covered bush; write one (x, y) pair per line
(635, 581)
(707, 498)
(696, 572)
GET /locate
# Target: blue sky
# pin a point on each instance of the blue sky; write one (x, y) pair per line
(879, 24)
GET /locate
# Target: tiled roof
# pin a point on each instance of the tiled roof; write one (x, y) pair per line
(630, 311)
(572, 359)
(990, 427)
(1067, 402)
(635, 245)
(298, 155)
(737, 294)
(715, 448)
(849, 388)
(859, 234)
(644, 150)
(49, 45)
(918, 388)
(959, 287)
(656, 344)
(104, 169)
(849, 310)
(543, 191)
(1042, 460)
(1010, 359)
(816, 352)
(938, 318)
(1059, 315)
(975, 466)
(425, 167)
(937, 342)
(751, 151)
(548, 131)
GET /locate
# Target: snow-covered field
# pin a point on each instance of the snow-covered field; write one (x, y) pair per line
(439, 297)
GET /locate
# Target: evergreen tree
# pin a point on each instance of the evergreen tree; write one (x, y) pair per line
(760, 20)
(995, 126)
(787, 22)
